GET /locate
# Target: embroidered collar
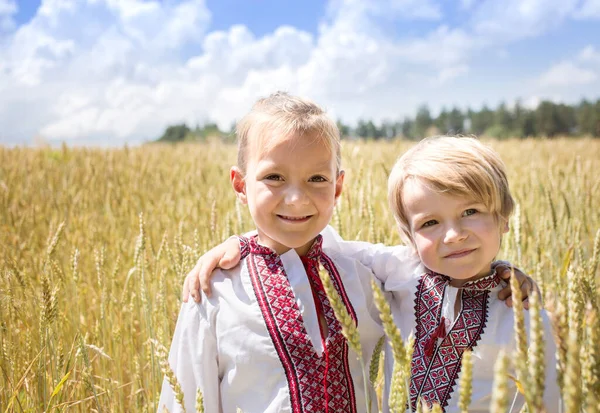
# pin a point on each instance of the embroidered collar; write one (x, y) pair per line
(314, 253)
(487, 283)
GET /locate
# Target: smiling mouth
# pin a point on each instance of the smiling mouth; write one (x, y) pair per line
(299, 219)
(461, 253)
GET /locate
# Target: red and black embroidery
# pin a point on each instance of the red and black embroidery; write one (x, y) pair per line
(435, 368)
(316, 383)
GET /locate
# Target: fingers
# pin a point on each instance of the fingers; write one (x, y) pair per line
(186, 291)
(526, 284)
(505, 294)
(503, 271)
(194, 283)
(526, 287)
(226, 255)
(209, 262)
(230, 259)
(186, 284)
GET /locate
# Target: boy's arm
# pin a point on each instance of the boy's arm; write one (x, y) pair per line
(226, 255)
(193, 362)
(390, 265)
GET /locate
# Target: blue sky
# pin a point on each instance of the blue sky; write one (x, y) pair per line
(111, 72)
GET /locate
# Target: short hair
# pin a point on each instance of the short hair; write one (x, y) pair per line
(281, 116)
(461, 166)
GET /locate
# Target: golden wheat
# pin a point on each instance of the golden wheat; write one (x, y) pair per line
(94, 245)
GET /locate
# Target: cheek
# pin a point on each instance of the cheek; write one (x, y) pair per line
(324, 197)
(486, 228)
(425, 245)
(264, 194)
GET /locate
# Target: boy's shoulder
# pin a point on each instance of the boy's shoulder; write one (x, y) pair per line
(340, 258)
(224, 281)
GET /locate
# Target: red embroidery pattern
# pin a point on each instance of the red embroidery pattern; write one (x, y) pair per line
(434, 373)
(316, 383)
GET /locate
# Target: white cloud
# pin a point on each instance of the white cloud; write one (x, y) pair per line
(398, 9)
(509, 20)
(7, 9)
(567, 74)
(122, 70)
(444, 46)
(581, 69)
(589, 9)
(449, 73)
(467, 4)
(589, 54)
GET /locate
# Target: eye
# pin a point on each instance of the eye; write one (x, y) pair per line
(318, 178)
(470, 211)
(429, 223)
(274, 177)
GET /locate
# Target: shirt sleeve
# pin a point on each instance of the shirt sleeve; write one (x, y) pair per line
(392, 266)
(193, 359)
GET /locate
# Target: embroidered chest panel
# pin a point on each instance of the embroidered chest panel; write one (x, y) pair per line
(317, 383)
(437, 357)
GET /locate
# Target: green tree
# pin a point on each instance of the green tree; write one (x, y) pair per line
(423, 121)
(441, 122)
(389, 130)
(361, 129)
(175, 133)
(407, 128)
(456, 121)
(343, 128)
(596, 132)
(587, 119)
(547, 122)
(503, 121)
(482, 120)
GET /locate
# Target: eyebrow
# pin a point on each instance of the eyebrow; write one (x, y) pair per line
(471, 202)
(320, 168)
(422, 217)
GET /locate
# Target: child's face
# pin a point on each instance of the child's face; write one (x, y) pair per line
(453, 235)
(291, 191)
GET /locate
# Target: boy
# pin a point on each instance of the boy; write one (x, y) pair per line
(451, 200)
(267, 339)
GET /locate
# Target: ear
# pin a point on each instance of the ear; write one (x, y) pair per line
(238, 183)
(504, 226)
(339, 183)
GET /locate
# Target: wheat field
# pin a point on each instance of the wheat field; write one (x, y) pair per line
(95, 244)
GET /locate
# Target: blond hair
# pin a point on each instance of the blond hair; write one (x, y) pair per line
(281, 116)
(459, 166)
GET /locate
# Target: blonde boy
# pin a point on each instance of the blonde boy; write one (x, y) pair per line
(451, 200)
(267, 339)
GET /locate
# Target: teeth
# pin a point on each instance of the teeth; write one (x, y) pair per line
(294, 218)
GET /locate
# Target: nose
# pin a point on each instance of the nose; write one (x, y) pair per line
(454, 233)
(295, 195)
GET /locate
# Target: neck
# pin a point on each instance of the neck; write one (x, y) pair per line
(281, 249)
(459, 282)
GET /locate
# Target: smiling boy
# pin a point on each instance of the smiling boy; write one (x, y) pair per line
(267, 340)
(451, 200)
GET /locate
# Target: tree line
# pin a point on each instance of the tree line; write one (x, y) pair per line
(548, 119)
